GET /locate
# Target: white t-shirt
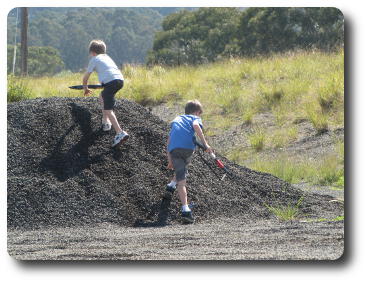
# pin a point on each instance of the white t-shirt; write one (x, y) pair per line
(105, 67)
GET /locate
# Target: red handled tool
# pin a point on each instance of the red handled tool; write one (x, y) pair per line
(218, 162)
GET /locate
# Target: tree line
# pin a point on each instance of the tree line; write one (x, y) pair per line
(209, 34)
(64, 34)
(59, 37)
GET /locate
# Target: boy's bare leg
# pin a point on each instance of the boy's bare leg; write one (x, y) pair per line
(112, 118)
(181, 190)
(104, 117)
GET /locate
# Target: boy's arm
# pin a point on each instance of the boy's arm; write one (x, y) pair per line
(87, 91)
(200, 134)
(170, 165)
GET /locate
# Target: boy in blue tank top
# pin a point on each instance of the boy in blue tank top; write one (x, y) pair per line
(180, 147)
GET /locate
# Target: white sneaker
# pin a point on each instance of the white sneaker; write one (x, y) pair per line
(106, 127)
(170, 188)
(120, 138)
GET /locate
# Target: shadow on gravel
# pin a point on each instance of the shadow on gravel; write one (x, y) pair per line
(163, 214)
(67, 164)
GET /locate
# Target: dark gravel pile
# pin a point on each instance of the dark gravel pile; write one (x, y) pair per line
(62, 171)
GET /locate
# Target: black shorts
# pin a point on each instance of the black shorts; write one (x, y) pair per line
(109, 92)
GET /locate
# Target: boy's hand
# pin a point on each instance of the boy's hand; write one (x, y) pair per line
(87, 92)
(209, 149)
(170, 165)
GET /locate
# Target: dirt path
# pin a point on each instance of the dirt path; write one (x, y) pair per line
(335, 192)
(224, 239)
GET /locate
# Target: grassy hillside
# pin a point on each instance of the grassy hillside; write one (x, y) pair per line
(292, 88)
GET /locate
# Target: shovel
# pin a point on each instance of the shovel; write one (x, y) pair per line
(79, 87)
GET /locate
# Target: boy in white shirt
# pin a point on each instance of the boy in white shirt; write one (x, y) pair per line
(112, 80)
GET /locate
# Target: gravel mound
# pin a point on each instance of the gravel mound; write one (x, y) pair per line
(62, 172)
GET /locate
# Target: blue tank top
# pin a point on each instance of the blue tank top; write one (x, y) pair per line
(182, 132)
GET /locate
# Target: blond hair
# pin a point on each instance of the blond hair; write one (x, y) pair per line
(97, 46)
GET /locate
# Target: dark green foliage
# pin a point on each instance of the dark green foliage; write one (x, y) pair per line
(128, 32)
(194, 37)
(186, 35)
(42, 60)
(265, 30)
(321, 28)
(208, 34)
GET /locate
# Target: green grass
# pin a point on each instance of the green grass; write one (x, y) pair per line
(286, 213)
(318, 119)
(326, 171)
(248, 116)
(338, 218)
(283, 136)
(18, 90)
(236, 89)
(54, 86)
(330, 172)
(257, 139)
(284, 168)
(340, 181)
(239, 155)
(330, 92)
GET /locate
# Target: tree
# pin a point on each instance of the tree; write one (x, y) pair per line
(321, 28)
(193, 37)
(128, 32)
(209, 34)
(266, 30)
(44, 60)
(41, 61)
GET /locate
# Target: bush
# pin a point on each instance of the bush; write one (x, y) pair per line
(17, 90)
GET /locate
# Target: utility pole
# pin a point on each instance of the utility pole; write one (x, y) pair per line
(24, 43)
(15, 41)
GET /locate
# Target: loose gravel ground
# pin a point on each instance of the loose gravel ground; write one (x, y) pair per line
(222, 239)
(70, 196)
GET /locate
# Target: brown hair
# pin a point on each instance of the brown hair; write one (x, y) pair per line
(97, 46)
(193, 106)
